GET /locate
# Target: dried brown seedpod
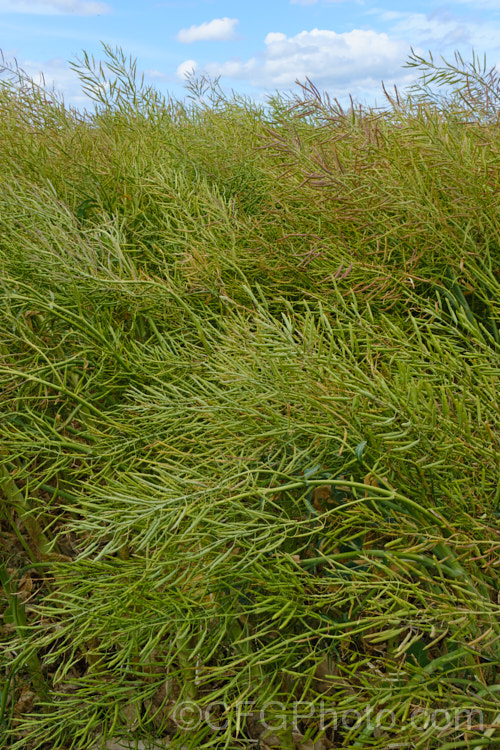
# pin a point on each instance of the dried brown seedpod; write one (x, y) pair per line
(321, 497)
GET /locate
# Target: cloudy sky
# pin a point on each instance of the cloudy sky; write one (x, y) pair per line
(256, 46)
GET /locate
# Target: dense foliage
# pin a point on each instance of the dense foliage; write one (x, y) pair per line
(249, 416)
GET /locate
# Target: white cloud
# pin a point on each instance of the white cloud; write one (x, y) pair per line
(56, 74)
(159, 75)
(218, 30)
(185, 68)
(54, 7)
(342, 63)
(444, 31)
(431, 28)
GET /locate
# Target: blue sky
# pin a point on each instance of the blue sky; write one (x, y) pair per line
(256, 46)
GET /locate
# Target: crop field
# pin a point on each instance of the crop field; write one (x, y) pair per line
(249, 415)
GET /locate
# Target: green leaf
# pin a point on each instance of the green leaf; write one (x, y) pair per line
(418, 652)
(310, 472)
(359, 450)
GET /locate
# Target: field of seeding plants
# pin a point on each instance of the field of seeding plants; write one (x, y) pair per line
(249, 415)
